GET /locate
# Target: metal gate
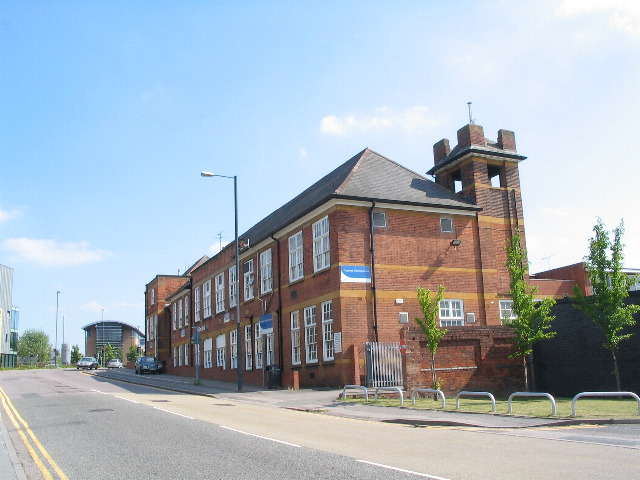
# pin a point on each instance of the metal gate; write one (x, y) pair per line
(384, 364)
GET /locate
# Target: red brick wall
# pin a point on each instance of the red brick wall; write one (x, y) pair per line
(473, 359)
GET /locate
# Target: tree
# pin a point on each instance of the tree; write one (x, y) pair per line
(133, 353)
(430, 326)
(109, 353)
(34, 343)
(610, 286)
(532, 320)
(75, 354)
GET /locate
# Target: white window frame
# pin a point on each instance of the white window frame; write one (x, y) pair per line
(175, 356)
(196, 354)
(174, 316)
(328, 346)
(233, 287)
(257, 341)
(206, 299)
(451, 312)
(186, 354)
(266, 272)
(296, 257)
(221, 351)
(310, 335)
(186, 310)
(196, 305)
(180, 312)
(208, 352)
(506, 311)
(179, 356)
(219, 283)
(248, 348)
(268, 343)
(321, 245)
(446, 225)
(153, 296)
(295, 338)
(247, 270)
(233, 344)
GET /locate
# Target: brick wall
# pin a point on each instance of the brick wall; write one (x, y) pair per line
(575, 361)
(471, 358)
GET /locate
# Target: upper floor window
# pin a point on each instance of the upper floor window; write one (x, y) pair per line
(153, 296)
(321, 244)
(206, 297)
(233, 287)
(266, 272)
(295, 257)
(248, 280)
(174, 316)
(219, 293)
(446, 225)
(451, 313)
(196, 305)
(180, 313)
(186, 310)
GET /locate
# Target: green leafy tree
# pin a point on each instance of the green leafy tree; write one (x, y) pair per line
(133, 353)
(430, 326)
(109, 353)
(34, 343)
(75, 354)
(532, 320)
(610, 286)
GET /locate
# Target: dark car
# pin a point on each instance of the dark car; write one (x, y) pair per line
(148, 364)
(87, 362)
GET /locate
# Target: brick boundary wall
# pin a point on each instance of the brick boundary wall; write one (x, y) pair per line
(575, 361)
(471, 358)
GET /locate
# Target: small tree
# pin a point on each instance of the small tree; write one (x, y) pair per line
(75, 354)
(610, 287)
(34, 343)
(133, 353)
(109, 353)
(430, 326)
(532, 319)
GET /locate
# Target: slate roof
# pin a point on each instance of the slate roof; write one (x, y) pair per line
(367, 176)
(490, 148)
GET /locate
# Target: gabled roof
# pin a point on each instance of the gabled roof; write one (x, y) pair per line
(367, 176)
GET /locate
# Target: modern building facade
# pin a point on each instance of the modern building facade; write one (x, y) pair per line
(9, 317)
(338, 266)
(119, 335)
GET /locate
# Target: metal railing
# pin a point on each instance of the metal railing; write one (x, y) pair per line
(428, 390)
(533, 394)
(384, 364)
(476, 394)
(393, 389)
(364, 389)
(602, 394)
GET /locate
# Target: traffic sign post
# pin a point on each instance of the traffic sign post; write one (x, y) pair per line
(196, 339)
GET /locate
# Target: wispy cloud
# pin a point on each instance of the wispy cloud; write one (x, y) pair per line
(51, 253)
(622, 14)
(383, 118)
(6, 215)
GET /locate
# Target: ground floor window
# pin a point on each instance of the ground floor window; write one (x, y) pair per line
(506, 312)
(221, 346)
(327, 331)
(208, 353)
(258, 345)
(310, 334)
(196, 352)
(186, 354)
(295, 337)
(248, 348)
(175, 356)
(451, 313)
(179, 356)
(233, 342)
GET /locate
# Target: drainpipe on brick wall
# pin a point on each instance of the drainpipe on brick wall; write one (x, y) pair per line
(279, 309)
(373, 273)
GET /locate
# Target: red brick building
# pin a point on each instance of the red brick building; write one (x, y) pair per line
(339, 264)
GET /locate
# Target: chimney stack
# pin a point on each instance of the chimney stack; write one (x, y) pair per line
(471, 134)
(441, 150)
(506, 140)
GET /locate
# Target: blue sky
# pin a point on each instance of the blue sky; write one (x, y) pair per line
(110, 110)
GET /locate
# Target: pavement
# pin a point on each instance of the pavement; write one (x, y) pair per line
(325, 401)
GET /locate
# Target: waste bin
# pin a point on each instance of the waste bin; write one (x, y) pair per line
(273, 376)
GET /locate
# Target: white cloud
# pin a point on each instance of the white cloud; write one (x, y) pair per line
(51, 253)
(623, 14)
(6, 215)
(383, 118)
(93, 307)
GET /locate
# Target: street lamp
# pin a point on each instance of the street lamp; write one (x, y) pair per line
(237, 282)
(55, 349)
(102, 352)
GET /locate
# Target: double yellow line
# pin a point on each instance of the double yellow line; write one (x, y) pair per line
(31, 441)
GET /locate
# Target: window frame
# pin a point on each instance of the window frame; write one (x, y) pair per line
(447, 312)
(442, 227)
(248, 279)
(248, 348)
(221, 351)
(266, 272)
(296, 350)
(310, 334)
(296, 257)
(321, 244)
(504, 320)
(219, 286)
(206, 299)
(233, 287)
(196, 304)
(233, 346)
(328, 345)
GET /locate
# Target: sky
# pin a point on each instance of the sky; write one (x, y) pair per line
(109, 111)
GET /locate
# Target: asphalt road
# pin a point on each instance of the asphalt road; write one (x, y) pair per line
(95, 428)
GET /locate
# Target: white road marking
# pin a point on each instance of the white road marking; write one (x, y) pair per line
(433, 477)
(174, 413)
(260, 436)
(127, 399)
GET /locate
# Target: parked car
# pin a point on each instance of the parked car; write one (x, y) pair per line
(148, 364)
(87, 362)
(114, 363)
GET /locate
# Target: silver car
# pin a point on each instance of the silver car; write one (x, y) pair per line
(114, 363)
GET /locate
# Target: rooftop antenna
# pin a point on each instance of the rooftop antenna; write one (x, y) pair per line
(547, 258)
(470, 118)
(220, 240)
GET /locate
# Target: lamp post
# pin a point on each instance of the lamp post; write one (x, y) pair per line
(102, 351)
(237, 282)
(55, 349)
